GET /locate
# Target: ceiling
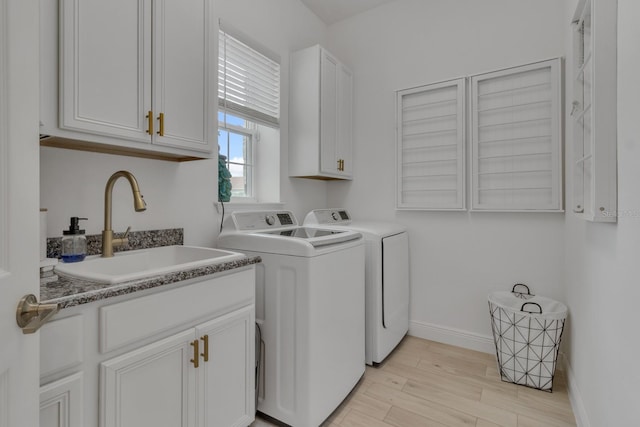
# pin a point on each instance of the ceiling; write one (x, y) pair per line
(332, 11)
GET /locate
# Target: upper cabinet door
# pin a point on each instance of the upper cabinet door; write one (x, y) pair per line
(344, 144)
(105, 67)
(329, 67)
(181, 71)
(320, 116)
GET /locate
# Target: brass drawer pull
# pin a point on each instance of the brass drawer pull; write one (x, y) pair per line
(161, 119)
(149, 118)
(205, 354)
(196, 353)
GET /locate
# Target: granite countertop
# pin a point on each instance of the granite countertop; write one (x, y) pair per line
(69, 292)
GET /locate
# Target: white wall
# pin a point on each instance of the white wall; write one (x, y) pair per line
(602, 267)
(456, 258)
(182, 194)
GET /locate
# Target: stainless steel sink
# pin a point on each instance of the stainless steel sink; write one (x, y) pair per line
(144, 263)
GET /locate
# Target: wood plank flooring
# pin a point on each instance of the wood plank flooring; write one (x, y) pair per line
(425, 383)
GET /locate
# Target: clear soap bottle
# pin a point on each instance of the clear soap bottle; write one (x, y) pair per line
(74, 242)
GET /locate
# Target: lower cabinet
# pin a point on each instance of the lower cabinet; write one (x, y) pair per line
(61, 402)
(227, 378)
(201, 377)
(178, 356)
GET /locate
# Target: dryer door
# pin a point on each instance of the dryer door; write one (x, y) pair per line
(395, 290)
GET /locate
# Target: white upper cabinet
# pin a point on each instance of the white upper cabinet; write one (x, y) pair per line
(516, 161)
(105, 84)
(593, 112)
(181, 74)
(135, 75)
(320, 118)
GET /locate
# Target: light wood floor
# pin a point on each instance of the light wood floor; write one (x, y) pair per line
(424, 383)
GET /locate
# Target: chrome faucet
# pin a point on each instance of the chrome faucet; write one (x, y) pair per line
(108, 242)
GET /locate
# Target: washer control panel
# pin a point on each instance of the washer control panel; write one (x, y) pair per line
(328, 216)
(261, 220)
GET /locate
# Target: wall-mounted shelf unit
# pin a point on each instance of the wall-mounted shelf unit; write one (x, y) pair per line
(516, 139)
(431, 148)
(593, 113)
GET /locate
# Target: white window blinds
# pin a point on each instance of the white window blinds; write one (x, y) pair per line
(248, 81)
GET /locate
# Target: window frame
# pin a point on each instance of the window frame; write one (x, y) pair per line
(265, 60)
(249, 155)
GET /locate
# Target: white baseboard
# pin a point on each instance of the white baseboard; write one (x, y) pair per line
(452, 336)
(582, 420)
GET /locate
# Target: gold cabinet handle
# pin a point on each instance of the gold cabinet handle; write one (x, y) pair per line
(196, 353)
(339, 162)
(161, 120)
(342, 165)
(205, 354)
(149, 118)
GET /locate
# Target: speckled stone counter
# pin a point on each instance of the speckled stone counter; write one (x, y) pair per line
(144, 239)
(69, 292)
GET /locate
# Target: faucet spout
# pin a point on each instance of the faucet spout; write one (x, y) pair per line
(139, 205)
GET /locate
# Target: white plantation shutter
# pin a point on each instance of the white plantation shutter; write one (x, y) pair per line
(248, 81)
(516, 140)
(430, 144)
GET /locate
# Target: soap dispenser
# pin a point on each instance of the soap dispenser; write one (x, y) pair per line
(74, 242)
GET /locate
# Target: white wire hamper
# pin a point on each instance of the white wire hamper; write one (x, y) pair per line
(526, 330)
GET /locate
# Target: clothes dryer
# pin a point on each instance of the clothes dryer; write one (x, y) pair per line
(386, 278)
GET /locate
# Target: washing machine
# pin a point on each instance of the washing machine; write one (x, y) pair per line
(310, 309)
(386, 278)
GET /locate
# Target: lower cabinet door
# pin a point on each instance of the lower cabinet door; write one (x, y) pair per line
(61, 402)
(150, 386)
(226, 380)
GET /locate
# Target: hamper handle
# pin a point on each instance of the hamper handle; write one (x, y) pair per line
(513, 290)
(534, 303)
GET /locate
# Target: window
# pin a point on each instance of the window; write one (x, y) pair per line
(235, 142)
(249, 116)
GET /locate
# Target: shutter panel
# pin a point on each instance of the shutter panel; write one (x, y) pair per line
(430, 147)
(516, 149)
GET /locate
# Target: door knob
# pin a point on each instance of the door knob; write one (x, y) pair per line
(30, 314)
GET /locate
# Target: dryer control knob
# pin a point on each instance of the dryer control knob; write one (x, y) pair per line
(270, 219)
(335, 216)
